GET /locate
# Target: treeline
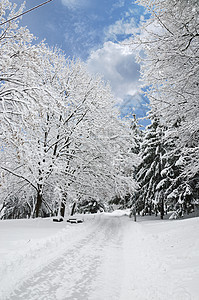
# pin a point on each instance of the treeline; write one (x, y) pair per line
(63, 141)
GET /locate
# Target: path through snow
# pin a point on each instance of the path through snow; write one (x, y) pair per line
(114, 258)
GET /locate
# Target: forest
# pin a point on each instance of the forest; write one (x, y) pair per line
(63, 141)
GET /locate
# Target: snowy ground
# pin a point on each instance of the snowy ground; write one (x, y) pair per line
(107, 257)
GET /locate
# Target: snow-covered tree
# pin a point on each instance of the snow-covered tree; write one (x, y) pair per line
(104, 162)
(168, 46)
(180, 190)
(150, 193)
(170, 39)
(161, 177)
(135, 136)
(14, 48)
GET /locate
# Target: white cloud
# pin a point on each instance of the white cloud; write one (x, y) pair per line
(75, 4)
(118, 66)
(121, 27)
(119, 4)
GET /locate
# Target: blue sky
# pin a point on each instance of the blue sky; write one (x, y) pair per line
(91, 30)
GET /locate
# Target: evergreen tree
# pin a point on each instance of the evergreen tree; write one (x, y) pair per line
(150, 196)
(180, 191)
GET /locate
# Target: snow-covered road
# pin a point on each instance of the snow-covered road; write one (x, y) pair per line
(76, 273)
(110, 258)
(92, 268)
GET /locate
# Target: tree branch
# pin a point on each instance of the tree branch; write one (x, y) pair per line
(19, 176)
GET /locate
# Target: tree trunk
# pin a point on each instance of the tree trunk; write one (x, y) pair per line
(38, 203)
(162, 209)
(134, 213)
(73, 209)
(62, 210)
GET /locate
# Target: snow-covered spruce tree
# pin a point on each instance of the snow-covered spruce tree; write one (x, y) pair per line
(150, 197)
(180, 192)
(160, 175)
(137, 134)
(169, 40)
